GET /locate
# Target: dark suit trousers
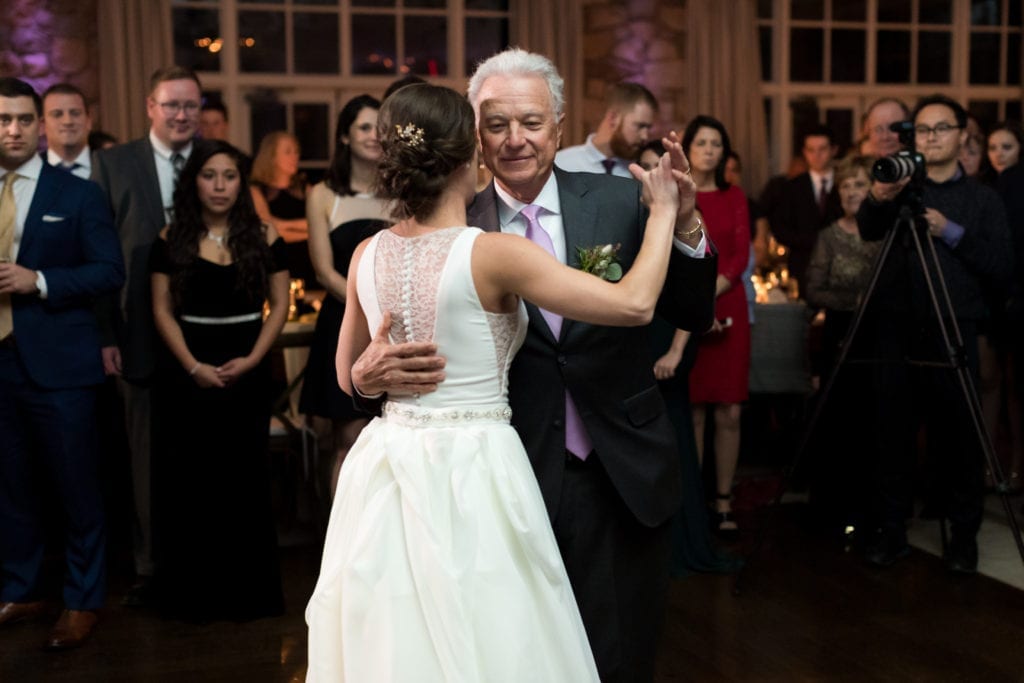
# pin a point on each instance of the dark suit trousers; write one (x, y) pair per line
(618, 569)
(48, 438)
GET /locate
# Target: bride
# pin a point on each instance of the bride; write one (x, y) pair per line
(440, 563)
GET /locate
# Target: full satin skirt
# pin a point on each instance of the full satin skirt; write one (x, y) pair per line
(440, 564)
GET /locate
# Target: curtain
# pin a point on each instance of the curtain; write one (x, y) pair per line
(554, 28)
(724, 64)
(135, 41)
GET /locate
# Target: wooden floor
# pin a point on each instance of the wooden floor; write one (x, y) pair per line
(807, 610)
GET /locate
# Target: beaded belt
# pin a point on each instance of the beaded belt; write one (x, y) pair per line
(228, 320)
(417, 416)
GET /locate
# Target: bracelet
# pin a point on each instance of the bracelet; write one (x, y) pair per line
(194, 370)
(690, 233)
(374, 397)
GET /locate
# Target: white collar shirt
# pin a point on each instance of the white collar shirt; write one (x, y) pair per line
(24, 190)
(162, 155)
(513, 222)
(81, 165)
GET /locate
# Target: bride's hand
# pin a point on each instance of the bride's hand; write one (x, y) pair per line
(681, 172)
(660, 187)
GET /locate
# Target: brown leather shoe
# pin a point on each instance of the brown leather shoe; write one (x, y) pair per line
(72, 629)
(13, 612)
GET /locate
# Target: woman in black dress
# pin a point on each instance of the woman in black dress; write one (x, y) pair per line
(279, 195)
(213, 268)
(341, 212)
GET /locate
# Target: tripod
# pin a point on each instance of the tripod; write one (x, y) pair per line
(910, 220)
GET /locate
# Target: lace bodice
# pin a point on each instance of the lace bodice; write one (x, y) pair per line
(426, 282)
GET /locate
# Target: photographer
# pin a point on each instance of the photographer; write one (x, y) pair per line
(967, 225)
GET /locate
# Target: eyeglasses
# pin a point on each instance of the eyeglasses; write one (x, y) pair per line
(174, 107)
(940, 130)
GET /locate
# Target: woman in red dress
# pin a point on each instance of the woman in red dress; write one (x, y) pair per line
(719, 379)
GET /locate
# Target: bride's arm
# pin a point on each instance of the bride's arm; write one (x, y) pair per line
(355, 334)
(505, 265)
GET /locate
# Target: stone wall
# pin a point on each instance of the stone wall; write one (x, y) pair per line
(51, 41)
(640, 41)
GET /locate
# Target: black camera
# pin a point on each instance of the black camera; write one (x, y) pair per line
(903, 164)
(896, 167)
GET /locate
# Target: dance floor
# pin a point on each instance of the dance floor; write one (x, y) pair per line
(807, 610)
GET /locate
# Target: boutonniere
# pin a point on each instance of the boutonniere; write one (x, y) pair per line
(601, 260)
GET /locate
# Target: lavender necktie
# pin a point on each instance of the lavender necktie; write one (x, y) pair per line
(576, 440)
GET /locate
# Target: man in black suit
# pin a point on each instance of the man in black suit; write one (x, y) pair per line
(138, 180)
(586, 403)
(809, 202)
(58, 251)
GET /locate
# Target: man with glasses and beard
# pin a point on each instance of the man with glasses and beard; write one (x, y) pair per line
(967, 226)
(622, 133)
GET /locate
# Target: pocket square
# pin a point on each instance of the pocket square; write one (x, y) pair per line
(47, 218)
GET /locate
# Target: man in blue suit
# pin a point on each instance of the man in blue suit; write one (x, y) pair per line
(58, 251)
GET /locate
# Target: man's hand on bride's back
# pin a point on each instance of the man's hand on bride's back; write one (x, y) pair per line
(397, 369)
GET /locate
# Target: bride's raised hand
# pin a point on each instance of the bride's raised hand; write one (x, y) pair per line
(681, 172)
(660, 188)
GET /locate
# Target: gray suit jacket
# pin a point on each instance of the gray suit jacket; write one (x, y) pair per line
(127, 174)
(608, 370)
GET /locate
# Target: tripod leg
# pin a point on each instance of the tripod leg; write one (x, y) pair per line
(956, 351)
(813, 421)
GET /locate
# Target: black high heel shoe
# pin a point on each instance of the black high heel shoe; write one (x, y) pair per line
(723, 523)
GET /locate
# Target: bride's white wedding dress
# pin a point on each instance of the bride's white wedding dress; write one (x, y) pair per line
(440, 563)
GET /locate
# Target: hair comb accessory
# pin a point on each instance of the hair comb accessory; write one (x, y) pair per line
(411, 134)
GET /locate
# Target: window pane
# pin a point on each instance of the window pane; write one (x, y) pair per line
(424, 3)
(893, 58)
(806, 54)
(936, 12)
(484, 37)
(426, 45)
(265, 116)
(316, 42)
(849, 10)
(986, 111)
(764, 9)
(311, 130)
(501, 5)
(933, 57)
(1014, 18)
(807, 9)
(848, 54)
(1013, 110)
(197, 41)
(333, 3)
(373, 3)
(984, 58)
(985, 12)
(1013, 59)
(840, 122)
(766, 53)
(805, 117)
(373, 44)
(266, 50)
(894, 10)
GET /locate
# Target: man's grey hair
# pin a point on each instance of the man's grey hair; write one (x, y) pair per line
(518, 62)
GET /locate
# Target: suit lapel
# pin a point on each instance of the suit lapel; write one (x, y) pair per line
(47, 190)
(579, 221)
(146, 169)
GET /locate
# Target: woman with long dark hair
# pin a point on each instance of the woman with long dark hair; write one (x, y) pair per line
(213, 269)
(720, 375)
(341, 211)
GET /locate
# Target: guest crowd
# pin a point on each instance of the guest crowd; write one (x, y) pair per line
(163, 264)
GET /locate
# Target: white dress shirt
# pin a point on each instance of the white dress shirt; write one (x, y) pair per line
(818, 178)
(83, 169)
(587, 158)
(165, 170)
(24, 190)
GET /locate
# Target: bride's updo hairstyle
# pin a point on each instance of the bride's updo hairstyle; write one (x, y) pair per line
(426, 132)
